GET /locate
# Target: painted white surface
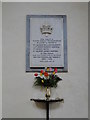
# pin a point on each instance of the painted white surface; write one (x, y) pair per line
(18, 85)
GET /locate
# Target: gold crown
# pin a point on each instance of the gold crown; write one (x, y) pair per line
(46, 29)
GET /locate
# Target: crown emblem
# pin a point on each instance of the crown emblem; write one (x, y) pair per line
(46, 29)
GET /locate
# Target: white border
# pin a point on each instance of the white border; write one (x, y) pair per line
(0, 60)
(45, 0)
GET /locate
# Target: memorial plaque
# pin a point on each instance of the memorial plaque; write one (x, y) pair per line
(46, 44)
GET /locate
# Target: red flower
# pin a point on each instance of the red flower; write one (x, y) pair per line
(45, 74)
(55, 70)
(42, 71)
(35, 74)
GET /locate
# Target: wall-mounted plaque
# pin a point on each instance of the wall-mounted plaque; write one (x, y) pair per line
(46, 43)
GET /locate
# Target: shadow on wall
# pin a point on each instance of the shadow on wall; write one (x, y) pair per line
(52, 106)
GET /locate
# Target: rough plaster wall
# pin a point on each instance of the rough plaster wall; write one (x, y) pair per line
(18, 85)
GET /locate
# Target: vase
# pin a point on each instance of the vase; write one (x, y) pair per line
(48, 92)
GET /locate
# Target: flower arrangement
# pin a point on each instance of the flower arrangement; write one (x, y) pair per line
(47, 78)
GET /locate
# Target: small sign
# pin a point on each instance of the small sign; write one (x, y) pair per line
(46, 44)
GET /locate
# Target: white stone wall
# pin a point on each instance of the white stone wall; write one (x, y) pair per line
(18, 85)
